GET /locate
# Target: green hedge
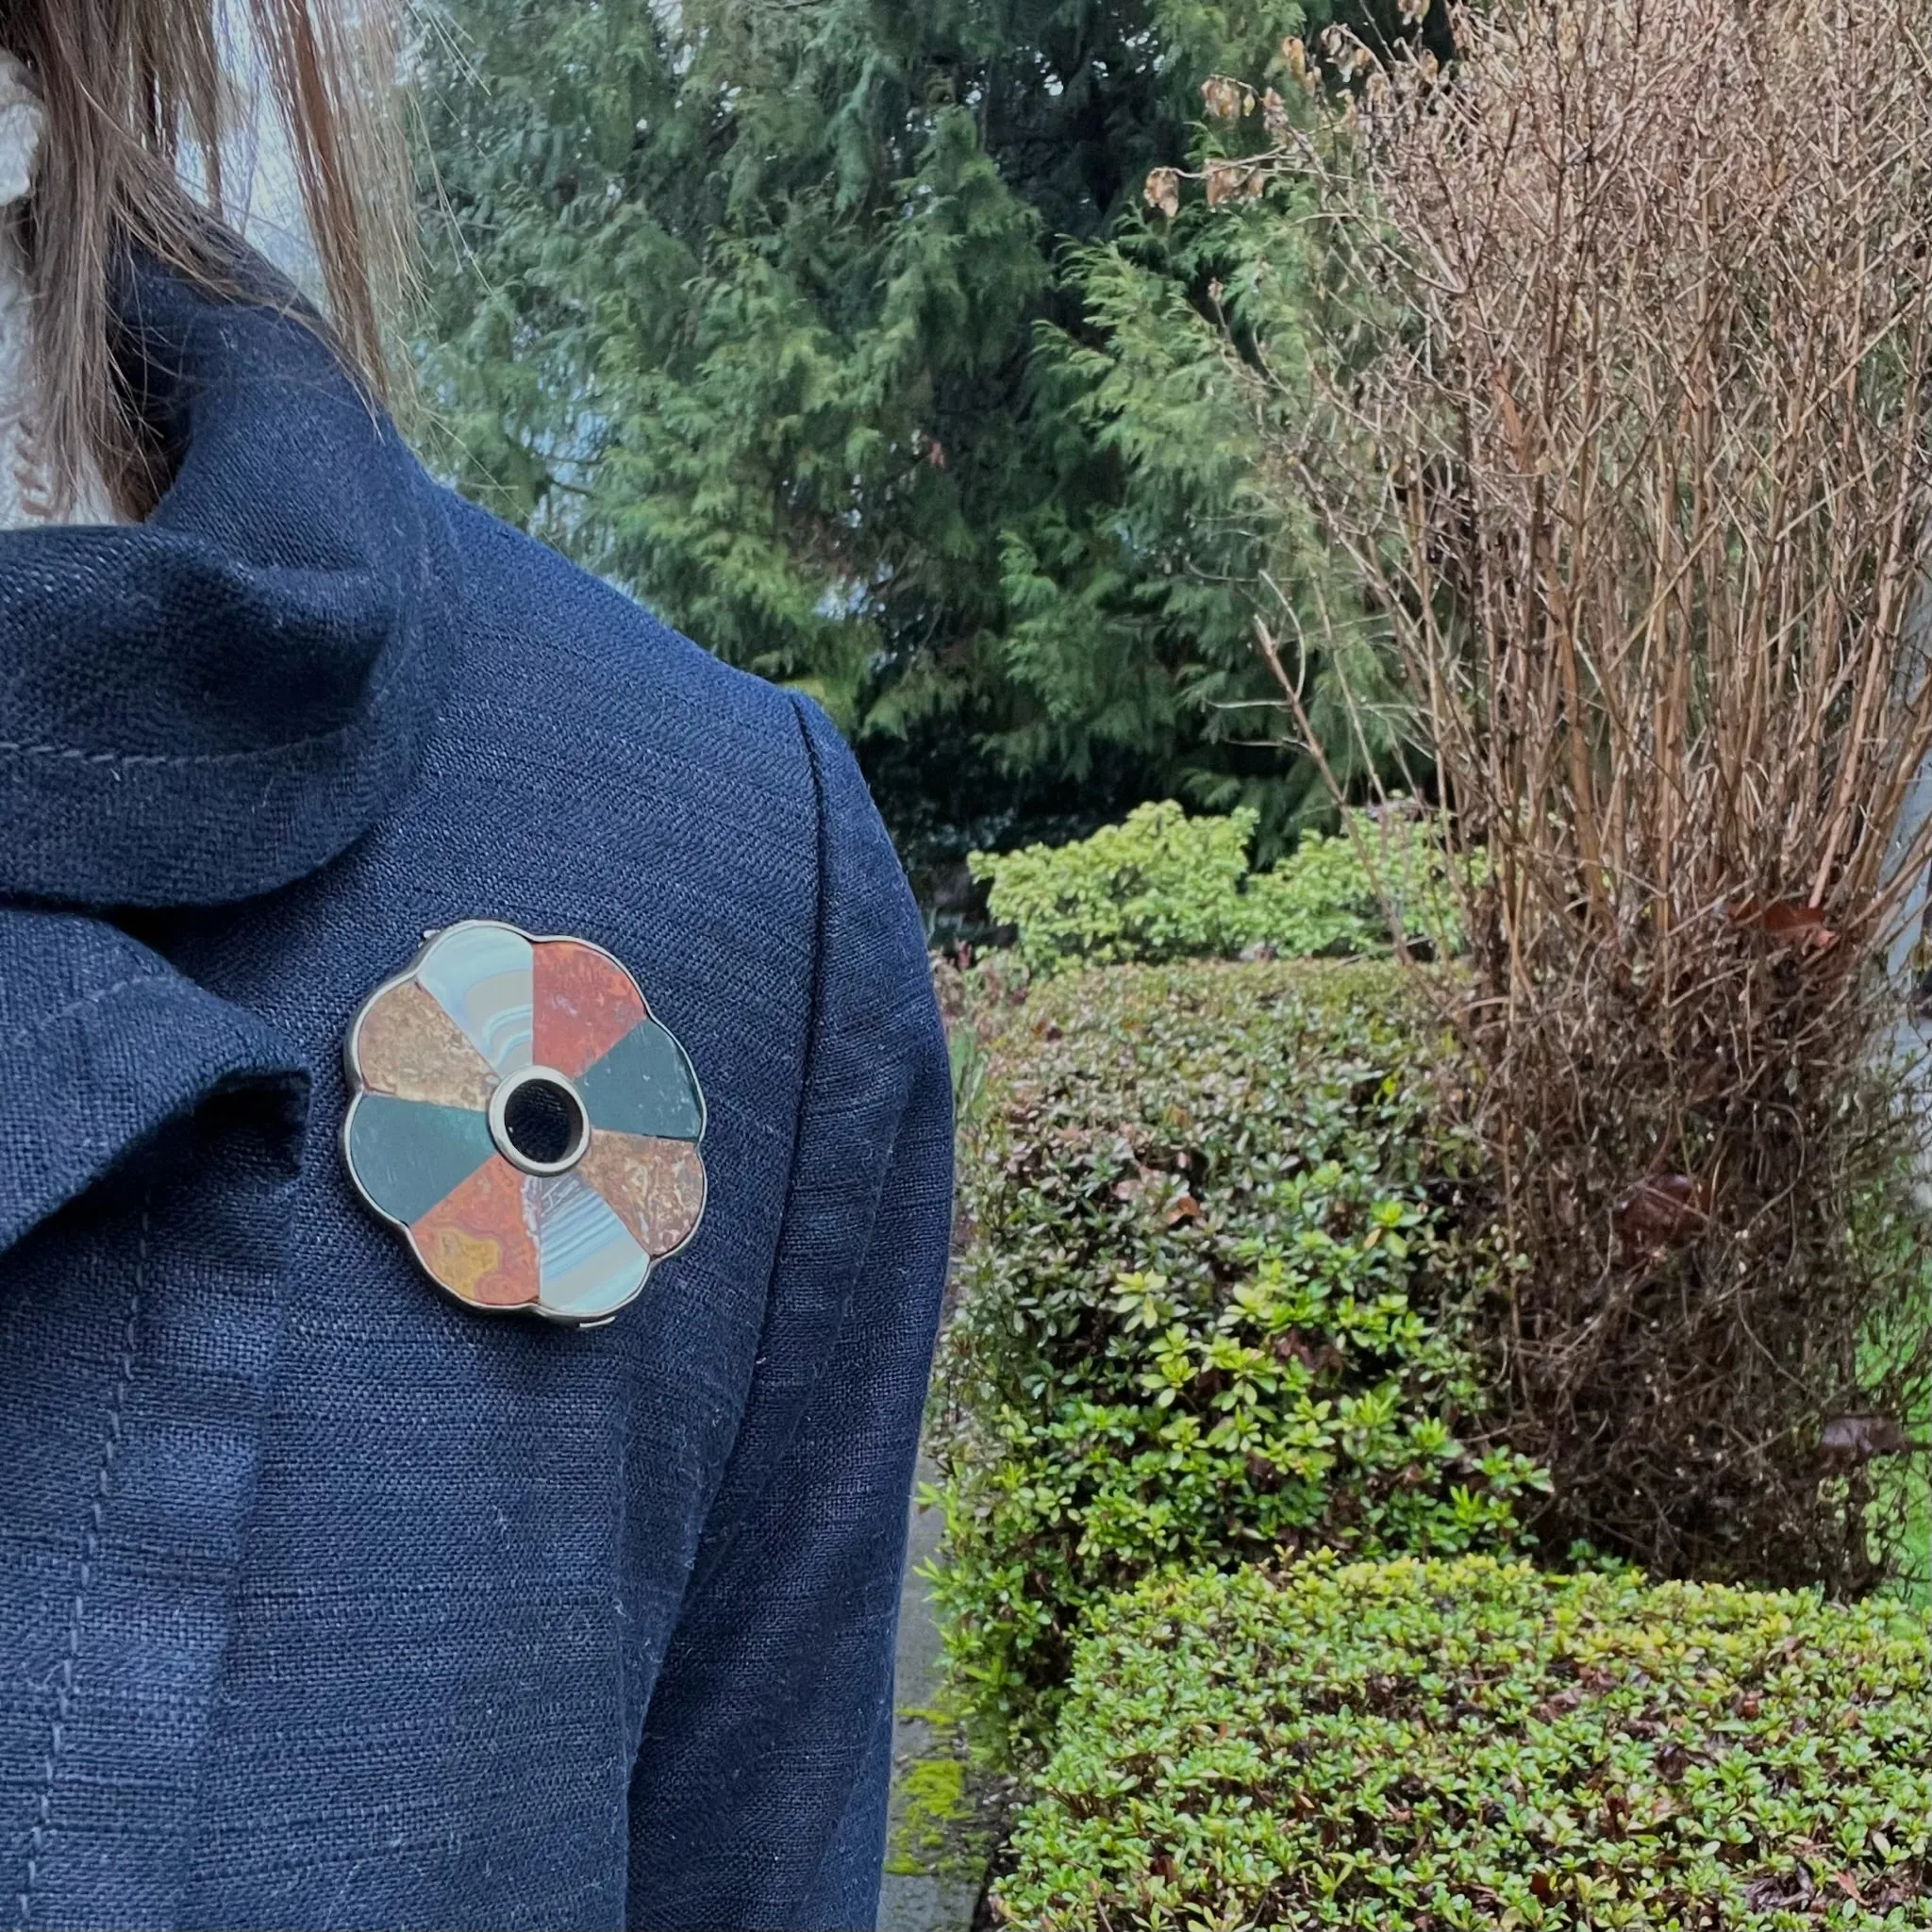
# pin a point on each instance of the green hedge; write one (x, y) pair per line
(1430, 1745)
(1163, 886)
(1221, 1228)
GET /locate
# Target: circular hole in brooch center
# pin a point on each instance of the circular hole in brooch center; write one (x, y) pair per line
(538, 1122)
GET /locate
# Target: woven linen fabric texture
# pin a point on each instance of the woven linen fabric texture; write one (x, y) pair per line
(325, 1601)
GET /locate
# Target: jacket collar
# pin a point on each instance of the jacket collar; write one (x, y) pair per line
(218, 701)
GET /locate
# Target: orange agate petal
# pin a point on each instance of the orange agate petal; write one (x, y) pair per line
(477, 1242)
(655, 1188)
(585, 1003)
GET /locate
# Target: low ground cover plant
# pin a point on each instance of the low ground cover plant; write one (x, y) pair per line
(1428, 1745)
(1162, 886)
(1222, 1238)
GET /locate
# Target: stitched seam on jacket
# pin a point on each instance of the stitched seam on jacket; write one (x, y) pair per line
(202, 760)
(90, 1549)
(95, 998)
(713, 1545)
(819, 1041)
(143, 761)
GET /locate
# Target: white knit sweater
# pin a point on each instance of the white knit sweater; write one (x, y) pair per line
(25, 497)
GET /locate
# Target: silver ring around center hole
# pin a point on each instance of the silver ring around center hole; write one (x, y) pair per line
(499, 1128)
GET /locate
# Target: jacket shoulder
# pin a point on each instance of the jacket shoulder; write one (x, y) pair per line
(597, 640)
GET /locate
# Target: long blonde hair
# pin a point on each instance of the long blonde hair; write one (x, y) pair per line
(134, 89)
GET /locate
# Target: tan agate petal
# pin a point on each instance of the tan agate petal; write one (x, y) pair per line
(654, 1187)
(409, 1046)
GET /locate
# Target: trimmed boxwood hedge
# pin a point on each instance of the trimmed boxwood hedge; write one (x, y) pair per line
(1222, 1227)
(1163, 886)
(1426, 1745)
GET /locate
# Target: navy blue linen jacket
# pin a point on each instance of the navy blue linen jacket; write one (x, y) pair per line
(324, 1600)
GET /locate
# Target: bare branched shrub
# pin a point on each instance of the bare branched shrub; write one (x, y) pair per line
(1637, 470)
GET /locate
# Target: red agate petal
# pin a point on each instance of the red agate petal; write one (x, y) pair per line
(585, 1003)
(477, 1240)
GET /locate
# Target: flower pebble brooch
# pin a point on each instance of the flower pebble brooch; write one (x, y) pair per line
(517, 1112)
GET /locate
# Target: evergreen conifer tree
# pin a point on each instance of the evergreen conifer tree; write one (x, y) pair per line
(837, 331)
